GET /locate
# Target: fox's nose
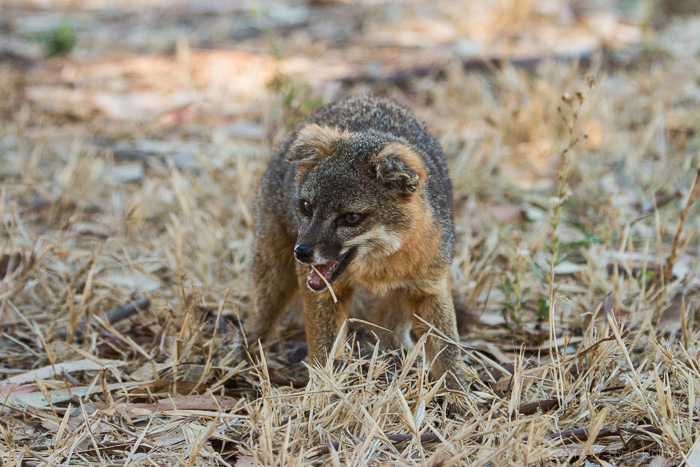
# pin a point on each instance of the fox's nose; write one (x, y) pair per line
(303, 253)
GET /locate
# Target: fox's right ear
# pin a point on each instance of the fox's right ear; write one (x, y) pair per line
(314, 142)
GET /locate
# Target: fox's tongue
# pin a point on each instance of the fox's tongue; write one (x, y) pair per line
(326, 269)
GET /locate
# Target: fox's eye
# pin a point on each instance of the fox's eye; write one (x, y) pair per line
(306, 208)
(351, 218)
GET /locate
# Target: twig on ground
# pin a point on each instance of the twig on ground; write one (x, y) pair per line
(543, 405)
(581, 434)
(113, 316)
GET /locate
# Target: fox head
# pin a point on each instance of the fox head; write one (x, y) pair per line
(352, 197)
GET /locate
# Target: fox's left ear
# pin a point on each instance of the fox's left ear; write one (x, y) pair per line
(314, 142)
(399, 167)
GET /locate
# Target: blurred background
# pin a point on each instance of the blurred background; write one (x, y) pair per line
(160, 62)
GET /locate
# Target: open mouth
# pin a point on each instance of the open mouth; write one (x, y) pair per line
(329, 270)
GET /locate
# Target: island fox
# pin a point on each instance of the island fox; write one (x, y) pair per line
(359, 191)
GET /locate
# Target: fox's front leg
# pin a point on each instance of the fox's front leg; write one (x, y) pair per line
(273, 284)
(435, 306)
(323, 320)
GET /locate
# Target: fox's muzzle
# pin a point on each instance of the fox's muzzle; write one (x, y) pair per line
(304, 253)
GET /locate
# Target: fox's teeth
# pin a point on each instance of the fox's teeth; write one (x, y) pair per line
(327, 269)
(321, 275)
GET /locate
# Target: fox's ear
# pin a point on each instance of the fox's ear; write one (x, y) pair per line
(314, 142)
(399, 167)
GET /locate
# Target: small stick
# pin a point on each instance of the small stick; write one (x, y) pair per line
(330, 289)
(531, 408)
(581, 434)
(122, 312)
(114, 315)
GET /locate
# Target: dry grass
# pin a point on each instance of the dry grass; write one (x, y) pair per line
(595, 362)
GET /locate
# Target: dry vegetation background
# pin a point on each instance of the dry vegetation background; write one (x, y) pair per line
(128, 165)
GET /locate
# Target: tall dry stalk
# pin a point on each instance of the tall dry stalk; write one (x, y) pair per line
(673, 254)
(569, 115)
(667, 268)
